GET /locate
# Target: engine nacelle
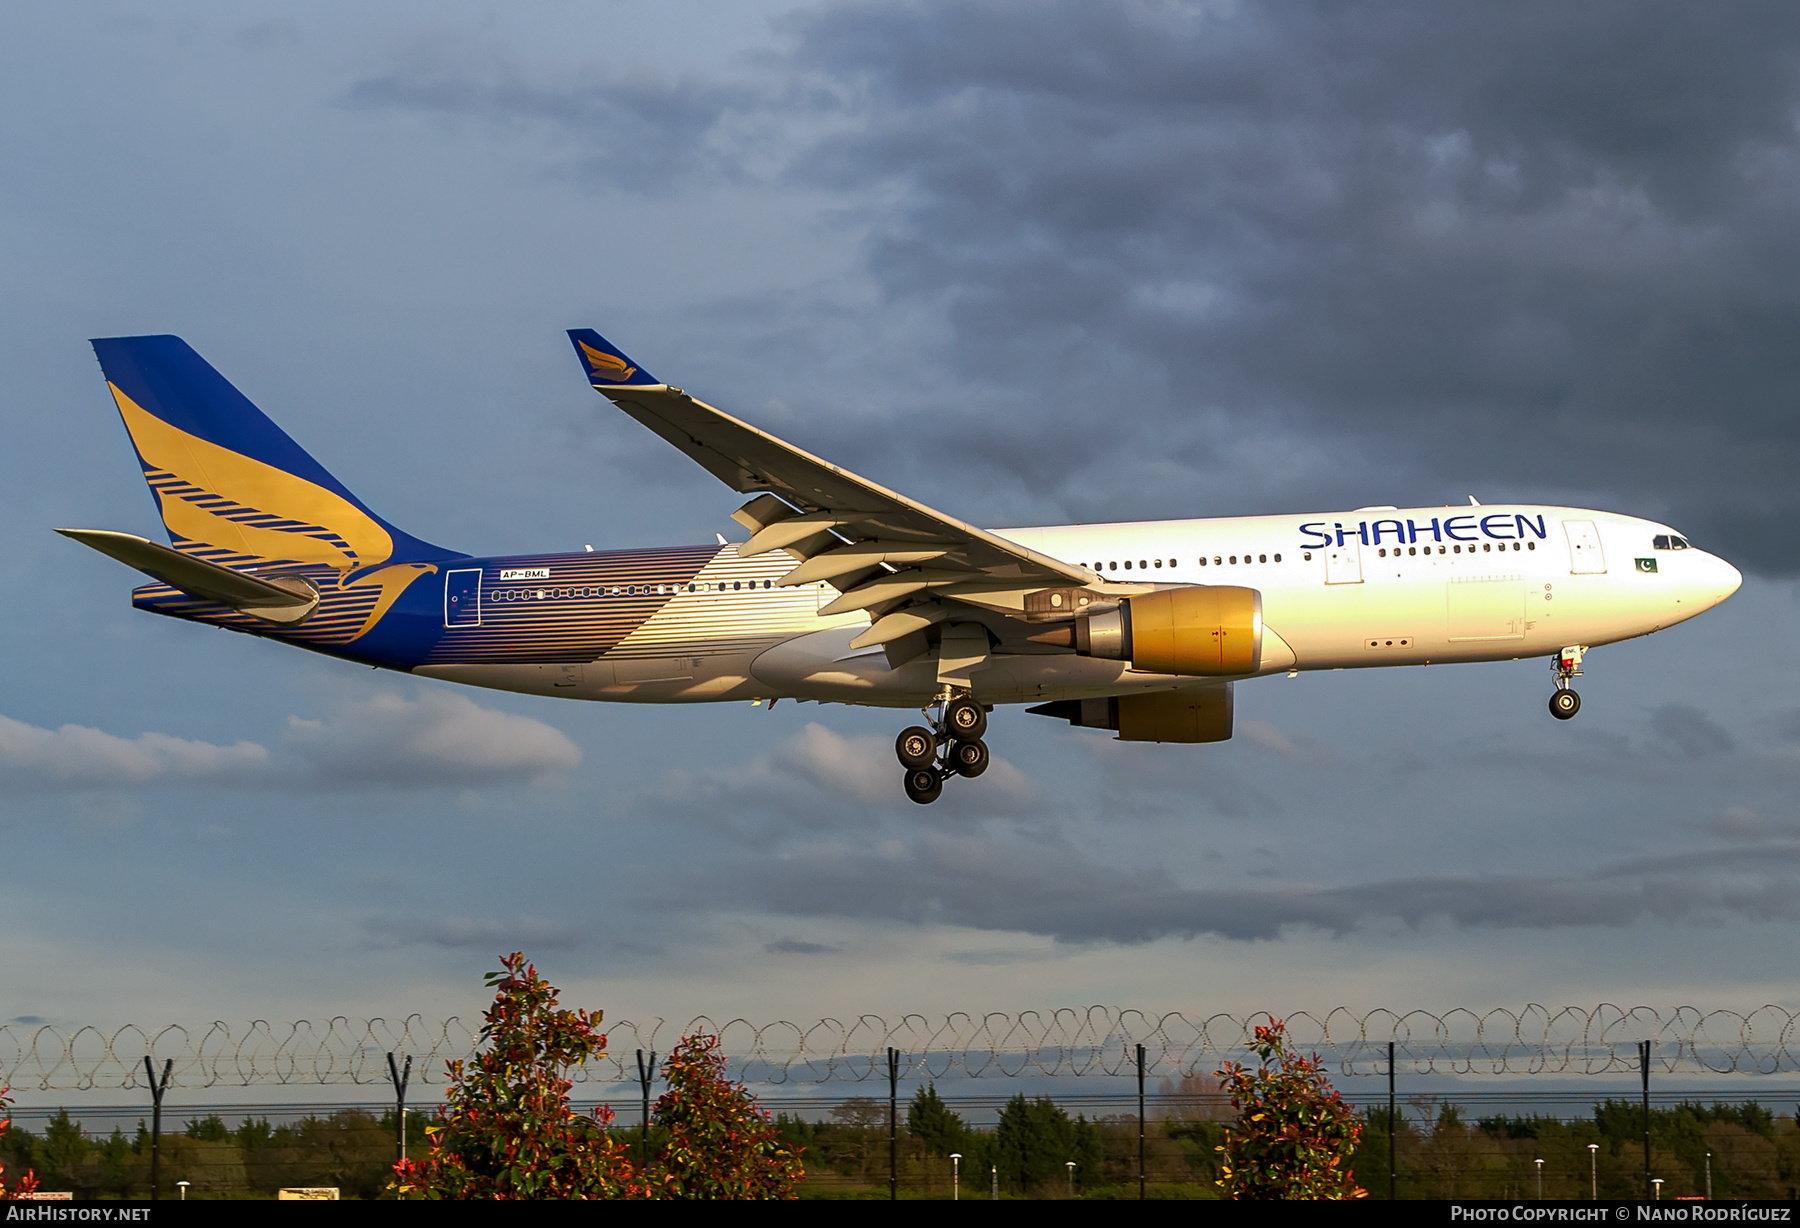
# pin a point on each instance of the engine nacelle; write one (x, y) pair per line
(1200, 714)
(1209, 630)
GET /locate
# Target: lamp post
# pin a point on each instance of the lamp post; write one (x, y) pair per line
(1657, 1182)
(955, 1176)
(1709, 1176)
(182, 1186)
(1540, 1168)
(994, 1176)
(1594, 1170)
(1071, 1167)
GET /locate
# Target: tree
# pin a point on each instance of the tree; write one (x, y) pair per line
(28, 1183)
(1294, 1134)
(717, 1142)
(506, 1129)
(932, 1122)
(1034, 1140)
(62, 1152)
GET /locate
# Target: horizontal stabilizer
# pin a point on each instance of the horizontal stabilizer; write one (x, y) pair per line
(282, 599)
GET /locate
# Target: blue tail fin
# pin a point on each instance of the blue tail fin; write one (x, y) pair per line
(227, 480)
(606, 364)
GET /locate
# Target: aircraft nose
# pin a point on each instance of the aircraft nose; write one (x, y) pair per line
(1722, 579)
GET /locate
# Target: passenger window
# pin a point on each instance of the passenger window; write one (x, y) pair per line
(1487, 547)
(1159, 562)
(1262, 558)
(1456, 549)
(1531, 545)
(1306, 556)
(1115, 566)
(1234, 560)
(1142, 564)
(1278, 558)
(1203, 562)
(1217, 561)
(1383, 553)
(1127, 564)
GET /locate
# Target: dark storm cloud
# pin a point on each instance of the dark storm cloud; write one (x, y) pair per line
(1290, 255)
(794, 946)
(1689, 732)
(1048, 888)
(641, 132)
(1544, 246)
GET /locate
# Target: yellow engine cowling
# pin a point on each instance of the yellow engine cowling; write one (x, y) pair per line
(1202, 714)
(1208, 630)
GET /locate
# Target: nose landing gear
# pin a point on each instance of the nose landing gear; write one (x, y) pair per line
(951, 747)
(1564, 702)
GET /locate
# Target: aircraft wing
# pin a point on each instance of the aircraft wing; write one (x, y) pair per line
(885, 553)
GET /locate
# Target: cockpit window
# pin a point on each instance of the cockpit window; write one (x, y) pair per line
(1668, 542)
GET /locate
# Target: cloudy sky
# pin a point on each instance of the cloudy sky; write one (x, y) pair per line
(1030, 263)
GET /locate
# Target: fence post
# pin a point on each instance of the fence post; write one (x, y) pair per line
(644, 1074)
(1393, 1164)
(1140, 1066)
(1644, 1065)
(156, 1096)
(400, 1080)
(893, 1124)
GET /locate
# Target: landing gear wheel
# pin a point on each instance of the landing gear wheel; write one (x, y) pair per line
(1564, 704)
(916, 747)
(965, 719)
(969, 758)
(923, 785)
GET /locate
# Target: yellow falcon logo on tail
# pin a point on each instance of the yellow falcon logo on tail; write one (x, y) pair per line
(602, 365)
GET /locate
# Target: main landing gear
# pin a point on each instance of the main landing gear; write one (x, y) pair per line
(951, 747)
(1564, 702)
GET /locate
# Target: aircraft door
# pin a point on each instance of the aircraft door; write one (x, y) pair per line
(1343, 564)
(462, 598)
(1585, 555)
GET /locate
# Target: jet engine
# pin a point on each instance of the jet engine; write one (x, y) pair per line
(1208, 630)
(1199, 714)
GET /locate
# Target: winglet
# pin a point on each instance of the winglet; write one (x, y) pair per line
(606, 365)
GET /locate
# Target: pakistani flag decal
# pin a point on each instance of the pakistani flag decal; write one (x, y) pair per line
(1648, 565)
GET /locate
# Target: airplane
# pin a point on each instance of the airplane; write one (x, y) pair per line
(847, 592)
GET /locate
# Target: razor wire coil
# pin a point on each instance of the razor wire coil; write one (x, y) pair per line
(1095, 1041)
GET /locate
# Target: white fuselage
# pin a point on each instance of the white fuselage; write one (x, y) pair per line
(1376, 586)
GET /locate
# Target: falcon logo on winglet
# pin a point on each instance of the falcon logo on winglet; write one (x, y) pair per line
(604, 366)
